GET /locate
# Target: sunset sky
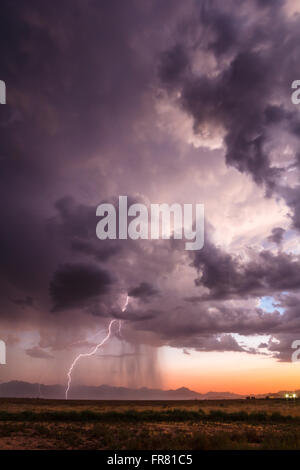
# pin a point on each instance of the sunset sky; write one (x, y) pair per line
(163, 101)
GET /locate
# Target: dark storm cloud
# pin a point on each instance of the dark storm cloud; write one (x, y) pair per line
(280, 343)
(255, 68)
(292, 197)
(80, 59)
(75, 227)
(211, 325)
(143, 291)
(212, 342)
(173, 64)
(38, 353)
(208, 328)
(227, 277)
(242, 113)
(216, 343)
(76, 83)
(137, 315)
(226, 31)
(76, 86)
(277, 235)
(187, 327)
(74, 284)
(263, 345)
(280, 346)
(26, 302)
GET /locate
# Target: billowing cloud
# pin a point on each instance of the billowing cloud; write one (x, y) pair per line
(242, 84)
(227, 277)
(277, 235)
(143, 291)
(74, 284)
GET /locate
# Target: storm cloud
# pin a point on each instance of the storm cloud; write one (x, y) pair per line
(165, 102)
(74, 284)
(227, 277)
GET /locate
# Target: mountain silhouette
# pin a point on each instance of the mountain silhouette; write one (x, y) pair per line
(18, 389)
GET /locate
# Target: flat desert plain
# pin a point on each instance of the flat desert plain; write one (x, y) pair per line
(154, 425)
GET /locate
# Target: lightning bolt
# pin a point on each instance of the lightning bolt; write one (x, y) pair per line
(91, 353)
(126, 303)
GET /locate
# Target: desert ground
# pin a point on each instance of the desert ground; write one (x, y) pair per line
(154, 425)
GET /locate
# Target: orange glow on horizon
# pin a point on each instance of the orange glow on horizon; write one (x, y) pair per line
(236, 372)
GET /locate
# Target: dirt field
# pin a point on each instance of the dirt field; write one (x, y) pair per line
(236, 424)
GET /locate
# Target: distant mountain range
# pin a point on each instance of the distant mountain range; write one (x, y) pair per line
(17, 389)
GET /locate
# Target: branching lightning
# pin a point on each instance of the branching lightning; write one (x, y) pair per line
(91, 353)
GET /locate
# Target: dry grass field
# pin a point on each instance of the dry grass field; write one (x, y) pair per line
(155, 425)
